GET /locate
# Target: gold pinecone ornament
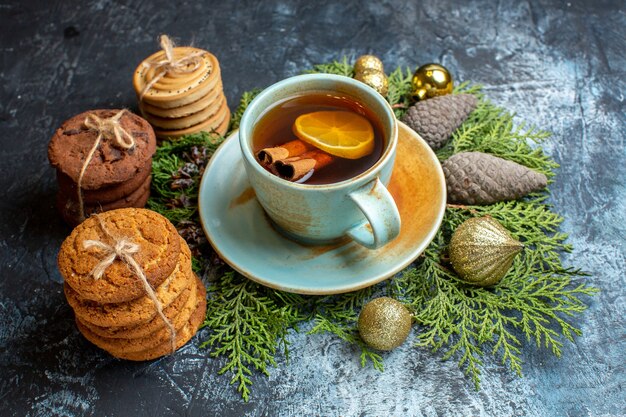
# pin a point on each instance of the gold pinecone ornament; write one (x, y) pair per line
(437, 118)
(482, 251)
(431, 80)
(384, 323)
(369, 70)
(479, 178)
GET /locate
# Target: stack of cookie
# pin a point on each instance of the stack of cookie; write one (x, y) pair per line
(110, 302)
(112, 176)
(180, 91)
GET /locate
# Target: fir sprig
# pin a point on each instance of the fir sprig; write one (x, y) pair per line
(246, 99)
(342, 67)
(399, 92)
(534, 302)
(338, 315)
(249, 323)
(179, 204)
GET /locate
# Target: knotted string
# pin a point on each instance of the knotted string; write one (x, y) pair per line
(107, 128)
(124, 250)
(184, 65)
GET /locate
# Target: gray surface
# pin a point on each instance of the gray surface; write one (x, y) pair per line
(559, 65)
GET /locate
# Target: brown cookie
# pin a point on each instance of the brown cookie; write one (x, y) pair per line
(137, 311)
(118, 346)
(106, 194)
(182, 336)
(159, 252)
(142, 329)
(69, 208)
(71, 143)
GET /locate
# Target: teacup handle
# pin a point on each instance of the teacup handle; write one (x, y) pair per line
(377, 204)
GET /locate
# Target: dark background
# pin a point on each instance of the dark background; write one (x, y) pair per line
(559, 65)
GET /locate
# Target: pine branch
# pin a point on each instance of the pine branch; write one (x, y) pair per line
(399, 95)
(335, 67)
(182, 159)
(338, 315)
(247, 326)
(246, 99)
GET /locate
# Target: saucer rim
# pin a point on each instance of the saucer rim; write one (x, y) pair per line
(414, 254)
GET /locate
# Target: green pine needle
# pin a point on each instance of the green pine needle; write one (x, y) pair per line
(249, 323)
(535, 303)
(336, 67)
(246, 98)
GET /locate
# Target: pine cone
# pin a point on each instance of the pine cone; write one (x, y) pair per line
(435, 119)
(480, 178)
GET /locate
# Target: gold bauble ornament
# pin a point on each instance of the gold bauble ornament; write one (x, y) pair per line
(375, 79)
(431, 80)
(368, 63)
(482, 251)
(384, 323)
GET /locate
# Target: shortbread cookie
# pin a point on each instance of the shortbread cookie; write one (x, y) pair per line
(215, 112)
(159, 253)
(219, 126)
(177, 89)
(186, 110)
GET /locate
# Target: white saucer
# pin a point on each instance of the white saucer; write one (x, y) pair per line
(241, 234)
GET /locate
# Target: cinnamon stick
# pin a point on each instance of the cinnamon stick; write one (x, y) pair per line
(290, 149)
(297, 167)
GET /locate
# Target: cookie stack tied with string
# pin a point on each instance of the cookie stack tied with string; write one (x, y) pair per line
(103, 160)
(129, 280)
(180, 91)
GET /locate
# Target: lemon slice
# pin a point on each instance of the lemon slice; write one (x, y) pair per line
(341, 133)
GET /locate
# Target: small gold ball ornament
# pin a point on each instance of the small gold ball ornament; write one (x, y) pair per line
(482, 251)
(384, 323)
(369, 70)
(375, 79)
(368, 63)
(431, 80)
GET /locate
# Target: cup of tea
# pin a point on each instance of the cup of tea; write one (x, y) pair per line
(319, 150)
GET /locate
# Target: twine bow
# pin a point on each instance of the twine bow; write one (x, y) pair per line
(184, 65)
(124, 250)
(107, 128)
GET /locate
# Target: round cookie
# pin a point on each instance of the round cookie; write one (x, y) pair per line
(71, 143)
(105, 194)
(220, 126)
(120, 346)
(177, 89)
(69, 208)
(160, 248)
(137, 311)
(142, 329)
(182, 336)
(185, 110)
(209, 114)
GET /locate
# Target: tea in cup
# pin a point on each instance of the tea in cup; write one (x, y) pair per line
(318, 150)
